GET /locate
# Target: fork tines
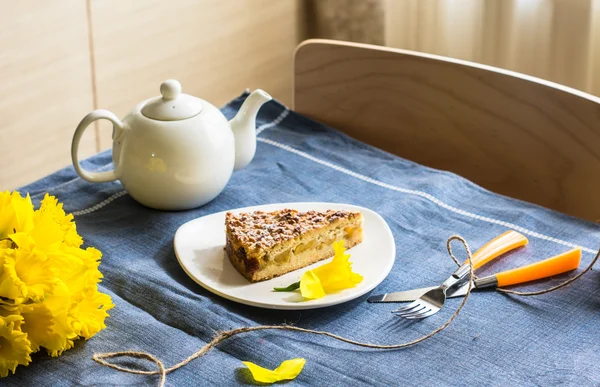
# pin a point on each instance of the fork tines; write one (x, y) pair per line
(415, 310)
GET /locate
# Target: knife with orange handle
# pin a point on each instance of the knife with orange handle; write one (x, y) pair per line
(493, 249)
(502, 244)
(558, 264)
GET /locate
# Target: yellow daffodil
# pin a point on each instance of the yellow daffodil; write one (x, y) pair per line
(287, 370)
(48, 284)
(89, 312)
(52, 226)
(331, 277)
(15, 349)
(77, 268)
(26, 273)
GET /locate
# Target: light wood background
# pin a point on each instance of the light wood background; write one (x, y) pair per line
(518, 136)
(61, 59)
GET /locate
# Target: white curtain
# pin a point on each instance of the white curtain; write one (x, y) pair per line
(558, 40)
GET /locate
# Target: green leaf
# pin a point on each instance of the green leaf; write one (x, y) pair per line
(291, 288)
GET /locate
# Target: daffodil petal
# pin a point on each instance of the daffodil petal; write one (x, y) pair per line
(261, 374)
(61, 335)
(38, 321)
(287, 370)
(331, 277)
(89, 312)
(310, 286)
(7, 219)
(15, 349)
(23, 208)
(53, 226)
(16, 213)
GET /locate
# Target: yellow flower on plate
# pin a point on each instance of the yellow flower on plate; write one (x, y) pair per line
(331, 277)
(287, 370)
(14, 346)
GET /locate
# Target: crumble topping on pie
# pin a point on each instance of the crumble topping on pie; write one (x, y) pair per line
(261, 230)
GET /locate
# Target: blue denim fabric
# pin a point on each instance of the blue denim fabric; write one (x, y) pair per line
(497, 340)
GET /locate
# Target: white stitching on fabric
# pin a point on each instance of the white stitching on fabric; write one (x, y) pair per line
(273, 123)
(425, 195)
(100, 205)
(76, 178)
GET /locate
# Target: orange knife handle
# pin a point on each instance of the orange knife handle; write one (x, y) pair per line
(510, 240)
(552, 266)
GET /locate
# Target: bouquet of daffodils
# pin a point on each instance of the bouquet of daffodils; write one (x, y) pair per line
(48, 283)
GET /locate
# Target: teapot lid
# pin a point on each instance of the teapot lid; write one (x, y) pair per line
(172, 105)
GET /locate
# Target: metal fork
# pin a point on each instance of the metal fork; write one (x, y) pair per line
(431, 302)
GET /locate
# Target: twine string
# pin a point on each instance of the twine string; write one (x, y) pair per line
(102, 358)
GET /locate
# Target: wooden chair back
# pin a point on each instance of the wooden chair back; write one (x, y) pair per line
(513, 134)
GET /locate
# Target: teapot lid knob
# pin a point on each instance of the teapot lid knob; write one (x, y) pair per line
(172, 105)
(170, 89)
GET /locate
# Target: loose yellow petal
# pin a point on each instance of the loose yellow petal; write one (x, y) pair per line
(310, 286)
(287, 370)
(15, 349)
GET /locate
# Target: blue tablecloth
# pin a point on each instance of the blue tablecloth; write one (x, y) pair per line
(497, 340)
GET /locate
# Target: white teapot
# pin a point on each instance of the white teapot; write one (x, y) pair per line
(176, 151)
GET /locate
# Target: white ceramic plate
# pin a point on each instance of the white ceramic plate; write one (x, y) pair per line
(199, 246)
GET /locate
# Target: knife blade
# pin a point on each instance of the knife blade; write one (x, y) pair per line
(411, 295)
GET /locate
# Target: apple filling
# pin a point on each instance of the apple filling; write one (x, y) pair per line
(316, 244)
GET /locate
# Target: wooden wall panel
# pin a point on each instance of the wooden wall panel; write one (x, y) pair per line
(45, 87)
(61, 59)
(214, 48)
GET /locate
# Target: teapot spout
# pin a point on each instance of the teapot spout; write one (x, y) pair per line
(243, 126)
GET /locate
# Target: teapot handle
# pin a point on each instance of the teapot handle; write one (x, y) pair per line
(94, 177)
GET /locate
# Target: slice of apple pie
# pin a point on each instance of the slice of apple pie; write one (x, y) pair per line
(263, 245)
